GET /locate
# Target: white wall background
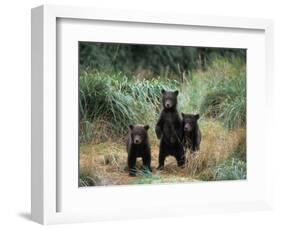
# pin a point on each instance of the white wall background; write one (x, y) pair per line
(15, 112)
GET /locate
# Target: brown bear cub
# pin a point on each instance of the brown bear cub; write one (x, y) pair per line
(169, 130)
(192, 133)
(138, 146)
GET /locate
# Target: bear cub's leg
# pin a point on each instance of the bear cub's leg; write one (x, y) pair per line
(146, 159)
(132, 165)
(162, 157)
(180, 156)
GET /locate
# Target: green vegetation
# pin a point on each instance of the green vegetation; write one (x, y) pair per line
(121, 85)
(226, 100)
(86, 179)
(233, 167)
(117, 101)
(150, 60)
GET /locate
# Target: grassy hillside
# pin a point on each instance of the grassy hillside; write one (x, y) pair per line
(109, 103)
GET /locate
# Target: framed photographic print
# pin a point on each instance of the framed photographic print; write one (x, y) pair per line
(143, 114)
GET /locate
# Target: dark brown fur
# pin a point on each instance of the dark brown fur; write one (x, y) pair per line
(169, 130)
(192, 133)
(138, 146)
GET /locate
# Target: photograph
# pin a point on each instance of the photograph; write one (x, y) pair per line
(161, 114)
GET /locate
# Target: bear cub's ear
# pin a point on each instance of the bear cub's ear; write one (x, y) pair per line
(197, 116)
(146, 127)
(131, 127)
(176, 92)
(163, 91)
(183, 114)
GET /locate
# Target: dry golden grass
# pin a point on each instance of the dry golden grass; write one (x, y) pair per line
(217, 144)
(105, 163)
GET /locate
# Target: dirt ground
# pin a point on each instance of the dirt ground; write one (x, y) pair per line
(113, 169)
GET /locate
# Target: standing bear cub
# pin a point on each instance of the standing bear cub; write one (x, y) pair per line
(169, 130)
(138, 146)
(192, 134)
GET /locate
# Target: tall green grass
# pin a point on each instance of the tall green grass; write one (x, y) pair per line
(219, 92)
(234, 167)
(109, 103)
(226, 100)
(117, 101)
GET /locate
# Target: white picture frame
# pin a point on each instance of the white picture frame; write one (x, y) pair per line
(56, 197)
